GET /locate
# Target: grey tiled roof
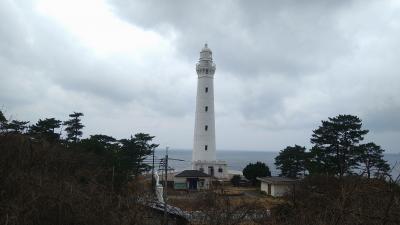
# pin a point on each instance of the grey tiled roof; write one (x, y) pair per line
(277, 180)
(192, 173)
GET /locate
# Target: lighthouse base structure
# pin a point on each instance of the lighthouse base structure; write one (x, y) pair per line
(217, 168)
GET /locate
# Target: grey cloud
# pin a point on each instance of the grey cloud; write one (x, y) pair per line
(34, 50)
(249, 38)
(282, 66)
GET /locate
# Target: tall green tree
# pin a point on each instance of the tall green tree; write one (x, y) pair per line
(108, 148)
(254, 170)
(46, 129)
(371, 160)
(74, 127)
(17, 126)
(134, 151)
(3, 122)
(100, 143)
(335, 143)
(291, 161)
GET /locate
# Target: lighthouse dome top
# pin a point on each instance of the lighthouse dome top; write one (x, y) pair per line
(206, 53)
(206, 49)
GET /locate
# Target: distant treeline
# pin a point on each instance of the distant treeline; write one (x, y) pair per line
(345, 180)
(338, 150)
(125, 156)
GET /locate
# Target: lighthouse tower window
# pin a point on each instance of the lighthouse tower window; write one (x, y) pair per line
(206, 89)
(206, 127)
(205, 147)
(206, 71)
(206, 108)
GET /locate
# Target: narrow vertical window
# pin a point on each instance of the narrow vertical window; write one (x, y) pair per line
(206, 71)
(206, 89)
(205, 147)
(206, 108)
(206, 127)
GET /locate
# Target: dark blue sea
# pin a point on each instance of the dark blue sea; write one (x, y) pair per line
(237, 160)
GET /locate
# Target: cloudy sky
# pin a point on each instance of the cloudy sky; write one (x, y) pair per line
(129, 66)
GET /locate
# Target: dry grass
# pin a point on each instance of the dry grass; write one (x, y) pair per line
(236, 195)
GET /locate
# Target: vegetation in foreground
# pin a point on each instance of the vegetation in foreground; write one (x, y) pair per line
(46, 179)
(328, 200)
(50, 180)
(43, 183)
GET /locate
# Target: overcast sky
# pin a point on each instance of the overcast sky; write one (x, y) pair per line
(129, 66)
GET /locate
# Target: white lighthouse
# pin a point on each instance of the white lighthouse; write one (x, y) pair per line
(204, 155)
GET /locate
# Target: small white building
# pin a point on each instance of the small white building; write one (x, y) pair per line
(277, 186)
(216, 168)
(192, 180)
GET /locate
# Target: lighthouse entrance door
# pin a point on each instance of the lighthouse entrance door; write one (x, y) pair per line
(211, 170)
(192, 183)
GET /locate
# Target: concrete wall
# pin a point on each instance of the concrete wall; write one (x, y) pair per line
(280, 189)
(277, 190)
(264, 187)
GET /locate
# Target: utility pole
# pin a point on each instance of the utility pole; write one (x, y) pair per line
(152, 175)
(165, 196)
(165, 186)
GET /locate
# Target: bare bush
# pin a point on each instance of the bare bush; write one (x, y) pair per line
(323, 200)
(217, 209)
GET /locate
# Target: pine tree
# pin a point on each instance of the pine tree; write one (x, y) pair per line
(291, 161)
(74, 127)
(134, 151)
(17, 126)
(46, 129)
(254, 170)
(371, 160)
(335, 144)
(3, 122)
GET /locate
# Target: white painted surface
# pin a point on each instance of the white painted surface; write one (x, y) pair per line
(219, 167)
(281, 189)
(277, 190)
(204, 146)
(205, 71)
(264, 187)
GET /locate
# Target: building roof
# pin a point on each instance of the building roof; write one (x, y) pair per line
(277, 180)
(192, 173)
